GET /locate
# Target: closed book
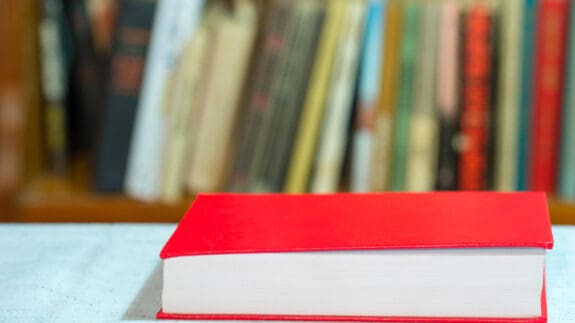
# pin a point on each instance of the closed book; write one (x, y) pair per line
(476, 98)
(175, 22)
(548, 93)
(526, 103)
(422, 148)
(566, 184)
(303, 153)
(508, 95)
(432, 257)
(130, 47)
(367, 94)
(447, 96)
(339, 105)
(408, 57)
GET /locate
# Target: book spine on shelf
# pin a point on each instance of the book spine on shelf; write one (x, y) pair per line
(447, 95)
(54, 81)
(526, 100)
(508, 95)
(476, 94)
(548, 91)
(258, 102)
(566, 185)
(368, 91)
(232, 41)
(130, 46)
(174, 24)
(305, 143)
(329, 162)
(408, 57)
(293, 73)
(422, 147)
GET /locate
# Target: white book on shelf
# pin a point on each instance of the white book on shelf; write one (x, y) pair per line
(339, 106)
(175, 22)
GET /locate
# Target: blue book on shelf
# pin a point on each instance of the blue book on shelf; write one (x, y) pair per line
(529, 24)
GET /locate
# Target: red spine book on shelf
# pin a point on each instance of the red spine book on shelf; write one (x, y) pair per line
(271, 257)
(548, 83)
(476, 98)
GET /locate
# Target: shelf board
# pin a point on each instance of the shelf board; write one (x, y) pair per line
(57, 200)
(52, 199)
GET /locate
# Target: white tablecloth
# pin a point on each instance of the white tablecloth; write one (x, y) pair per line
(111, 272)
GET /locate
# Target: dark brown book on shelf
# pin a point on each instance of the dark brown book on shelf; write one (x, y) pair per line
(258, 101)
(476, 98)
(125, 77)
(288, 94)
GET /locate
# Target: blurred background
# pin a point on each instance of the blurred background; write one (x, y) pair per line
(124, 110)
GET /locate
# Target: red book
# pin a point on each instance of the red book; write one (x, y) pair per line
(476, 98)
(548, 83)
(325, 257)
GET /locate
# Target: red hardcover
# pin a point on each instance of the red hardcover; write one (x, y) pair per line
(476, 98)
(250, 223)
(549, 66)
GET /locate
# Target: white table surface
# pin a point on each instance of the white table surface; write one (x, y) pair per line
(111, 272)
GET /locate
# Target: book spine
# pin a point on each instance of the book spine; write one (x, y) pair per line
(526, 101)
(447, 95)
(548, 84)
(386, 100)
(339, 106)
(182, 103)
(423, 127)
(258, 101)
(368, 90)
(307, 134)
(508, 98)
(476, 98)
(54, 80)
(566, 187)
(290, 93)
(409, 53)
(232, 41)
(130, 48)
(174, 24)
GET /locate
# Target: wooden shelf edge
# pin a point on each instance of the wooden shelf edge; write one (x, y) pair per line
(561, 212)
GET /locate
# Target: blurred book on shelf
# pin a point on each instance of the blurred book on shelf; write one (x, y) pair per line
(155, 101)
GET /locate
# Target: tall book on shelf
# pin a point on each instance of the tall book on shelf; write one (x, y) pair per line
(175, 22)
(548, 93)
(305, 143)
(339, 105)
(368, 91)
(526, 99)
(406, 79)
(447, 97)
(422, 147)
(130, 47)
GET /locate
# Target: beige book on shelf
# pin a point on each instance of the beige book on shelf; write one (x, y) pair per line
(180, 104)
(381, 155)
(232, 37)
(303, 152)
(423, 148)
(508, 94)
(339, 103)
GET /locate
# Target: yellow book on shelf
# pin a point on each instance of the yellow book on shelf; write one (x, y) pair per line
(381, 155)
(310, 122)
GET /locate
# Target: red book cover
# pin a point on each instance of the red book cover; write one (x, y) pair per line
(548, 86)
(476, 98)
(244, 223)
